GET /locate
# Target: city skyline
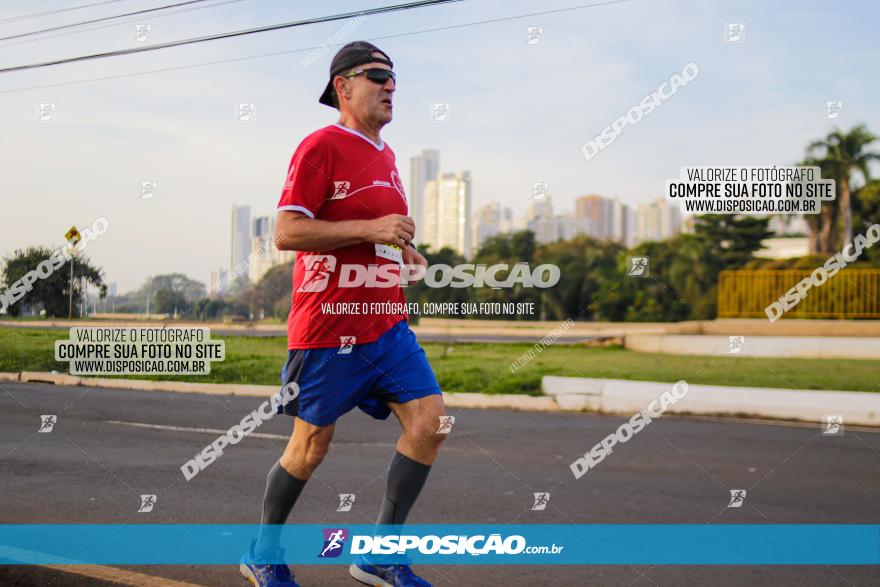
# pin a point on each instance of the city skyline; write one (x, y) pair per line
(453, 223)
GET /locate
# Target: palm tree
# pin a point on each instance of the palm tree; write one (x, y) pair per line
(846, 151)
(823, 226)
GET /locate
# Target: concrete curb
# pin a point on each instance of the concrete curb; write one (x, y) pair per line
(572, 394)
(628, 397)
(147, 385)
(455, 400)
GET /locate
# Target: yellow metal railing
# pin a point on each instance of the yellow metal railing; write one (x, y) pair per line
(852, 293)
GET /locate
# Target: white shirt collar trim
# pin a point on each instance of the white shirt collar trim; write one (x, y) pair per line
(379, 147)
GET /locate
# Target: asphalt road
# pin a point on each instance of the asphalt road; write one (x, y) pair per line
(96, 462)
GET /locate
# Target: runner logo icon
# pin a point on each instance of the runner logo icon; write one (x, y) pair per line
(47, 423)
(317, 272)
(334, 542)
(541, 500)
(340, 190)
(346, 345)
(737, 497)
(346, 500)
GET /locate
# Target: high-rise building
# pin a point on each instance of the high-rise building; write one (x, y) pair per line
(541, 221)
(422, 169)
(598, 214)
(657, 221)
(262, 226)
(447, 212)
(547, 229)
(632, 220)
(570, 226)
(490, 220)
(241, 238)
(621, 226)
(540, 208)
(217, 283)
(264, 253)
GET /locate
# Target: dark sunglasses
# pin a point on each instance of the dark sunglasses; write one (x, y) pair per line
(376, 74)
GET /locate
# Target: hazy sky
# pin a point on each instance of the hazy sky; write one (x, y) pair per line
(519, 113)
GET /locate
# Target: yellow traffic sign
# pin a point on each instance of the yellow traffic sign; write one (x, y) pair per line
(73, 236)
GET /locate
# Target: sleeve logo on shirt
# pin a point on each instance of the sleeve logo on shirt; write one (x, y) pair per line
(317, 272)
(395, 179)
(289, 182)
(340, 189)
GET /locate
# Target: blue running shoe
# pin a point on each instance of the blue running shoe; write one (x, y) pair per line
(385, 575)
(261, 575)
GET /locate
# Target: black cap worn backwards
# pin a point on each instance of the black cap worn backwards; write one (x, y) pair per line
(350, 56)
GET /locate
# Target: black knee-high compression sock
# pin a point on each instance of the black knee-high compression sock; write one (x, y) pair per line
(406, 478)
(282, 491)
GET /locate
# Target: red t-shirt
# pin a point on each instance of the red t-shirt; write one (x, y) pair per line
(335, 174)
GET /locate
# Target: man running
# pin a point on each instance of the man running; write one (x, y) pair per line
(344, 210)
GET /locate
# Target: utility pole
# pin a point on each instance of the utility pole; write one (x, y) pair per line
(70, 292)
(73, 237)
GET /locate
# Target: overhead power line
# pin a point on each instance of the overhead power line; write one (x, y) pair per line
(304, 49)
(251, 31)
(114, 24)
(49, 12)
(102, 19)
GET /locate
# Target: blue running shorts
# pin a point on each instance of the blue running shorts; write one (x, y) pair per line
(333, 381)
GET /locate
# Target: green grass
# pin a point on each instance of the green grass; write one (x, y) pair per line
(484, 367)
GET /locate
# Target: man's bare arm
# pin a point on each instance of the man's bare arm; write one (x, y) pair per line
(294, 231)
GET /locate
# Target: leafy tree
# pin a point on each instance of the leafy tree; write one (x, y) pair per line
(587, 268)
(518, 247)
(419, 292)
(169, 301)
(823, 226)
(176, 286)
(266, 298)
(643, 299)
(49, 294)
(508, 249)
(210, 308)
(732, 239)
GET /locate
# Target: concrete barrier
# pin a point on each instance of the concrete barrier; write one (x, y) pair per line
(46, 377)
(628, 397)
(806, 347)
(507, 401)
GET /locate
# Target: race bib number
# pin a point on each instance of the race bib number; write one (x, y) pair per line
(390, 252)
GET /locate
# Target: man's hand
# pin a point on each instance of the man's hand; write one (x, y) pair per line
(394, 229)
(415, 266)
(412, 257)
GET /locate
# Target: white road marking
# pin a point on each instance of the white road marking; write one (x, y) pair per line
(218, 432)
(214, 431)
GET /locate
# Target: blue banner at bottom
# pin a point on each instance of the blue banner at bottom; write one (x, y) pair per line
(607, 544)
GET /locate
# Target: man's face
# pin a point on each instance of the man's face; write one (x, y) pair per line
(367, 99)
